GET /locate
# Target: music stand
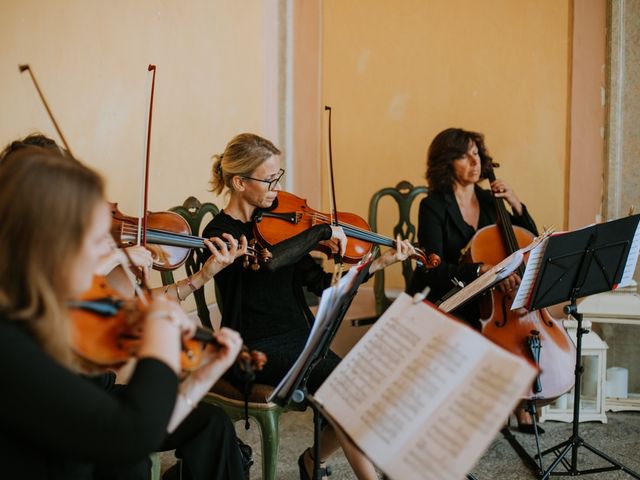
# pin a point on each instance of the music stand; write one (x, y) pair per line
(584, 262)
(296, 390)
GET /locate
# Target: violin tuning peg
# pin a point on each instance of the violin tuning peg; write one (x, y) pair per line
(245, 262)
(255, 267)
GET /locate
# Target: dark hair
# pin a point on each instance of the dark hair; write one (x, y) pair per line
(34, 140)
(449, 145)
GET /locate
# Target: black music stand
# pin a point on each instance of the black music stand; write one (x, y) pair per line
(575, 264)
(296, 390)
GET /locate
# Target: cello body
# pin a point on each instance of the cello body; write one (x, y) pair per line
(520, 331)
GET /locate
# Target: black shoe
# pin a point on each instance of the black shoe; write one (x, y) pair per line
(325, 470)
(303, 470)
(247, 457)
(173, 472)
(528, 429)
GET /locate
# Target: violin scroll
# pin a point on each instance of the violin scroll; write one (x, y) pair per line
(425, 261)
(256, 255)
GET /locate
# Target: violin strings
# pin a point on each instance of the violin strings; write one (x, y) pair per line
(161, 236)
(362, 233)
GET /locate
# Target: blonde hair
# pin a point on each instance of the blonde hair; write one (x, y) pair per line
(47, 202)
(243, 154)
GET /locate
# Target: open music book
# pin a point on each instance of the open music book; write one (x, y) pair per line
(616, 243)
(422, 394)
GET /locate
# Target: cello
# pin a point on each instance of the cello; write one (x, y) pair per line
(536, 336)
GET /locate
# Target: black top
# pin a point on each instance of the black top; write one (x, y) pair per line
(269, 301)
(54, 423)
(443, 231)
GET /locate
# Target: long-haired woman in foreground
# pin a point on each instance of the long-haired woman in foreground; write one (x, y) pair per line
(56, 423)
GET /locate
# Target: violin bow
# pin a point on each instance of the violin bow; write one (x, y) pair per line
(337, 258)
(26, 67)
(142, 218)
(132, 277)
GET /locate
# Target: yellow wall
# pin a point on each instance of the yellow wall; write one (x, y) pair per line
(397, 73)
(90, 58)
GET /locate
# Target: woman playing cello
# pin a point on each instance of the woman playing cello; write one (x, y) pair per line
(267, 306)
(455, 209)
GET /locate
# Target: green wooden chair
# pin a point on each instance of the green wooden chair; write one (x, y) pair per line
(194, 213)
(224, 394)
(155, 466)
(404, 194)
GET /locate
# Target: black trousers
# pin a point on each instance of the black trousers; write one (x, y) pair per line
(205, 441)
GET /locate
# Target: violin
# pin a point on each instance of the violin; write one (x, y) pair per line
(168, 237)
(106, 330)
(535, 336)
(290, 215)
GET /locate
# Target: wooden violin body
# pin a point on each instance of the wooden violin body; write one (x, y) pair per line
(291, 215)
(168, 237)
(536, 336)
(106, 330)
(165, 256)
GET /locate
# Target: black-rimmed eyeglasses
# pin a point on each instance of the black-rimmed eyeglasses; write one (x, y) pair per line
(271, 183)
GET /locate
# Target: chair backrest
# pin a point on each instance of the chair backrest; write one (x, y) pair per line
(404, 193)
(194, 212)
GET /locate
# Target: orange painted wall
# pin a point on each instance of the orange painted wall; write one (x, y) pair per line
(91, 61)
(397, 73)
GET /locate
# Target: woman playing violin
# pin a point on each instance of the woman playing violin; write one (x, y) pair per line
(138, 255)
(267, 305)
(54, 233)
(455, 209)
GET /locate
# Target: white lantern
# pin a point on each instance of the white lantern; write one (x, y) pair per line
(592, 398)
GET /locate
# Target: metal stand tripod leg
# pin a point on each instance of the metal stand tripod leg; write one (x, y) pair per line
(536, 467)
(575, 441)
(317, 429)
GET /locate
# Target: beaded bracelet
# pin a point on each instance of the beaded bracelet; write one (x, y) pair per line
(191, 285)
(180, 299)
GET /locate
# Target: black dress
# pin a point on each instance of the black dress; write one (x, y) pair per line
(443, 231)
(267, 306)
(56, 424)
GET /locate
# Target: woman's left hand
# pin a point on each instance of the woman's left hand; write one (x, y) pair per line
(403, 250)
(221, 255)
(502, 190)
(217, 359)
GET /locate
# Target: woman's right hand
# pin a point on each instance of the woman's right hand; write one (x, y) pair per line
(338, 241)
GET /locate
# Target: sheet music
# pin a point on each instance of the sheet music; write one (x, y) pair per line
(529, 278)
(632, 260)
(422, 394)
(494, 275)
